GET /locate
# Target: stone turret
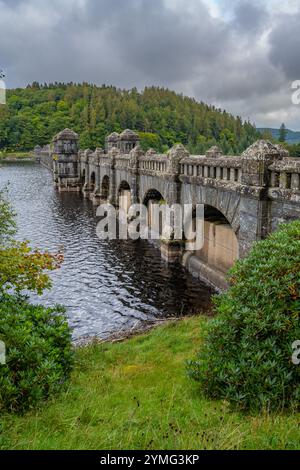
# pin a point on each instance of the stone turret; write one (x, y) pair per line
(256, 160)
(112, 141)
(263, 150)
(65, 160)
(128, 140)
(124, 142)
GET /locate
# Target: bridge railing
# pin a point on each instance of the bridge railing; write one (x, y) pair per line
(153, 163)
(221, 168)
(285, 174)
(262, 165)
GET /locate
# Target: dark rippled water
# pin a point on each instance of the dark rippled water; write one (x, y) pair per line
(106, 286)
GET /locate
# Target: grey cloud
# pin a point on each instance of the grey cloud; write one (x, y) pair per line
(141, 42)
(165, 45)
(250, 17)
(285, 45)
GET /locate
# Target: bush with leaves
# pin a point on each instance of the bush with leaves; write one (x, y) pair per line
(246, 356)
(37, 339)
(38, 352)
(21, 267)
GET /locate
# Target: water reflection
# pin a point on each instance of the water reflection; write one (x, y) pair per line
(105, 285)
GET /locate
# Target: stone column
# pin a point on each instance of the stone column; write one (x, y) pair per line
(134, 166)
(255, 223)
(112, 197)
(86, 190)
(172, 250)
(96, 197)
(66, 156)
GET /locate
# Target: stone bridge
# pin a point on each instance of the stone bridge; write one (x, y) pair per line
(245, 197)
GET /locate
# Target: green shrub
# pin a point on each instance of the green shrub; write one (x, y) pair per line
(246, 357)
(38, 353)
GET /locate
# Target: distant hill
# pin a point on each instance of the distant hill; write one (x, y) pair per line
(292, 137)
(161, 117)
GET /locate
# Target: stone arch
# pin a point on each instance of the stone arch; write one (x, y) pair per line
(151, 197)
(226, 202)
(124, 186)
(221, 244)
(93, 181)
(82, 177)
(105, 185)
(149, 183)
(124, 195)
(152, 194)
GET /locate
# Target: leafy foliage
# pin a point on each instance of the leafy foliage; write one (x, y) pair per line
(35, 114)
(20, 266)
(38, 352)
(37, 339)
(246, 357)
(294, 150)
(7, 220)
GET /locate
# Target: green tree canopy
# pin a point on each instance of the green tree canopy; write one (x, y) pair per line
(35, 114)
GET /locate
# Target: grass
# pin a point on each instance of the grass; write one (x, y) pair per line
(135, 395)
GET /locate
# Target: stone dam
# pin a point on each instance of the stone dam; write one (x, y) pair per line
(245, 197)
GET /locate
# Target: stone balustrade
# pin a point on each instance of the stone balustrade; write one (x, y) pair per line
(210, 169)
(285, 174)
(153, 163)
(202, 167)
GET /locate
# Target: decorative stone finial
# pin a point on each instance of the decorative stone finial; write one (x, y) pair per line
(177, 153)
(214, 152)
(263, 150)
(150, 153)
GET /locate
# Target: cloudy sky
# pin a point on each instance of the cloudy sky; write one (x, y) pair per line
(241, 55)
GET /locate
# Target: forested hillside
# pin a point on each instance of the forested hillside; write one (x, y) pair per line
(291, 138)
(35, 114)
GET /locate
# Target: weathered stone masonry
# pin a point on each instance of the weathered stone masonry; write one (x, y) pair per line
(255, 192)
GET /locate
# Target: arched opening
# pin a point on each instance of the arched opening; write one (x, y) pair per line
(82, 179)
(221, 248)
(152, 199)
(124, 196)
(105, 188)
(93, 182)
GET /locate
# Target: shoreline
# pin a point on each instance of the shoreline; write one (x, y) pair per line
(16, 159)
(124, 334)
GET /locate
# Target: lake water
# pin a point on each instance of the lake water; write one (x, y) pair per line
(105, 285)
